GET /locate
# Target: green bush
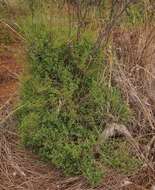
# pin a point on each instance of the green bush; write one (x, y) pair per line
(138, 13)
(66, 105)
(117, 154)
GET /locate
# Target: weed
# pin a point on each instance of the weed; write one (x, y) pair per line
(116, 154)
(66, 105)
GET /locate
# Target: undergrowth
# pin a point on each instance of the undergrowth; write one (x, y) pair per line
(66, 105)
(116, 154)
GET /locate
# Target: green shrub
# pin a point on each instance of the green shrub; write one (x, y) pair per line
(136, 14)
(65, 104)
(117, 154)
(139, 13)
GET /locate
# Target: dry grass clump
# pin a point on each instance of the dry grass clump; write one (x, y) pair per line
(19, 169)
(135, 75)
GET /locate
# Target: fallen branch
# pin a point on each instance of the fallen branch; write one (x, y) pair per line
(115, 129)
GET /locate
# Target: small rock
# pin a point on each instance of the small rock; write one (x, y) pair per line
(126, 182)
(14, 174)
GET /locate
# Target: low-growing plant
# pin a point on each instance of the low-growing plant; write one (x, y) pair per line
(138, 14)
(65, 104)
(116, 154)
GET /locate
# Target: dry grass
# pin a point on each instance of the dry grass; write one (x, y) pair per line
(20, 170)
(134, 73)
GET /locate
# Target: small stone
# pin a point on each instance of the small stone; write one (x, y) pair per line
(126, 182)
(14, 174)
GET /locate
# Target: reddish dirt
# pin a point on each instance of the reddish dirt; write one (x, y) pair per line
(9, 71)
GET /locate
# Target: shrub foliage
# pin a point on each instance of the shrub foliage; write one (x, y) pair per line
(66, 105)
